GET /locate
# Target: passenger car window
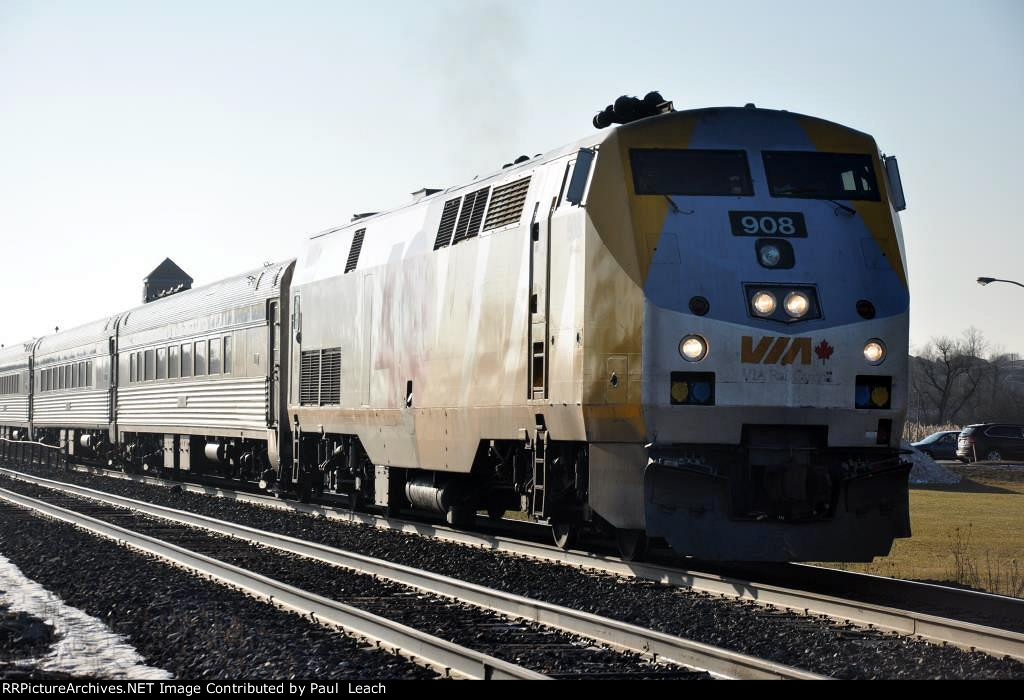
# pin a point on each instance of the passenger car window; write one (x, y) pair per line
(186, 360)
(214, 355)
(200, 349)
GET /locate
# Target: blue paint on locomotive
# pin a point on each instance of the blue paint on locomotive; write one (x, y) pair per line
(697, 254)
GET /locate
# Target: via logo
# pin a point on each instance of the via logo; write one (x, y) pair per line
(771, 350)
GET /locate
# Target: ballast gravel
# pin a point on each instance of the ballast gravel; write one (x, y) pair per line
(192, 627)
(814, 643)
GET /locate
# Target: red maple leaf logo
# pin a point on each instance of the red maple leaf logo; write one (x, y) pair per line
(824, 350)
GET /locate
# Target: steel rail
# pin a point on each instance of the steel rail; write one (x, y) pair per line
(391, 635)
(931, 628)
(617, 634)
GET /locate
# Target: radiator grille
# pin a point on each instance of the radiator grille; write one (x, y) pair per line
(507, 204)
(447, 225)
(309, 378)
(353, 253)
(320, 377)
(330, 377)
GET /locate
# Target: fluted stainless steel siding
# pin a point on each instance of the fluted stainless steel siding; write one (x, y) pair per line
(224, 404)
(13, 409)
(71, 408)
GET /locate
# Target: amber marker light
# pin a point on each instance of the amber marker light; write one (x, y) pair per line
(879, 396)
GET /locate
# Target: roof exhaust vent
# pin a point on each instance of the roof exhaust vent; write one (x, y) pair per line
(357, 217)
(424, 193)
(628, 109)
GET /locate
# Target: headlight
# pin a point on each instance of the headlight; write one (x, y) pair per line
(796, 304)
(764, 303)
(874, 351)
(693, 348)
(770, 255)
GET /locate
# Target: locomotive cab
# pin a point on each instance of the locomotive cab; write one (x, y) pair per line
(775, 335)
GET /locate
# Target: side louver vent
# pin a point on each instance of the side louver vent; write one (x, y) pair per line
(447, 225)
(507, 204)
(472, 214)
(330, 377)
(353, 253)
(309, 378)
(320, 377)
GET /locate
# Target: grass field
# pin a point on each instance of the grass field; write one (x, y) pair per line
(971, 533)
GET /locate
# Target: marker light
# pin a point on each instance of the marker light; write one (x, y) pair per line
(763, 303)
(797, 304)
(770, 255)
(880, 396)
(874, 351)
(693, 348)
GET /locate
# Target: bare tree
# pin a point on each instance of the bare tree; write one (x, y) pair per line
(950, 371)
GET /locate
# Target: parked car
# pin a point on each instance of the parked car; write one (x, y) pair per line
(940, 445)
(991, 441)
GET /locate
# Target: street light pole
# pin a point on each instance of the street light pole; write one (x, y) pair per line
(988, 280)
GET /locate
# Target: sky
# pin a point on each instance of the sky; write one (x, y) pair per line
(221, 134)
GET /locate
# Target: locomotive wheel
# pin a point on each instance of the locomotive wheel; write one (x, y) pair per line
(460, 516)
(994, 456)
(304, 489)
(632, 544)
(564, 534)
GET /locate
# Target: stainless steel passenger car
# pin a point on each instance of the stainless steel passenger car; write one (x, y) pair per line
(15, 390)
(73, 400)
(198, 379)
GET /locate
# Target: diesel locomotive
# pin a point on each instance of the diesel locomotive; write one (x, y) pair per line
(692, 326)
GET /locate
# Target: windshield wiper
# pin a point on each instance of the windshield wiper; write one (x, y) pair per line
(813, 194)
(675, 207)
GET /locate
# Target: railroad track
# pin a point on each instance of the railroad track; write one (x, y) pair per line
(995, 640)
(425, 648)
(677, 656)
(992, 639)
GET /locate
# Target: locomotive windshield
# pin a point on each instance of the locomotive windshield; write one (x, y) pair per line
(690, 171)
(817, 175)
